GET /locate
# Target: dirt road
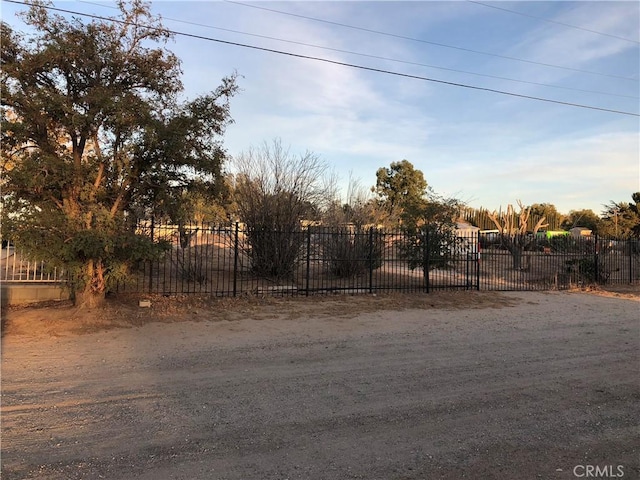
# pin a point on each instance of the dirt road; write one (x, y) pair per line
(538, 387)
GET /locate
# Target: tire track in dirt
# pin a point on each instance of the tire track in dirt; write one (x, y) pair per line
(516, 392)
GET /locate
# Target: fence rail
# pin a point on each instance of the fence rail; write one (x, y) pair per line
(225, 261)
(15, 267)
(233, 261)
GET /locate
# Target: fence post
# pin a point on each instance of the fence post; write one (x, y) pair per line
(370, 260)
(426, 259)
(153, 223)
(596, 249)
(478, 252)
(467, 279)
(630, 242)
(235, 262)
(308, 259)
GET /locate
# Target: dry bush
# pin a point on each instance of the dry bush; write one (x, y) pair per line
(274, 191)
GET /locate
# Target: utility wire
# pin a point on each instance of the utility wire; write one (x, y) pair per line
(334, 62)
(394, 35)
(554, 21)
(382, 58)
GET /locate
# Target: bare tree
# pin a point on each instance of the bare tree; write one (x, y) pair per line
(357, 208)
(274, 191)
(353, 244)
(514, 231)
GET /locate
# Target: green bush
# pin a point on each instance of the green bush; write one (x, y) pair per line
(352, 252)
(585, 268)
(431, 246)
(274, 253)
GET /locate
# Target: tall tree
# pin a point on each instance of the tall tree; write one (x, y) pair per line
(93, 133)
(431, 234)
(400, 188)
(513, 228)
(552, 217)
(582, 218)
(622, 219)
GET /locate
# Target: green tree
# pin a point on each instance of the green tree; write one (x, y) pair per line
(400, 189)
(202, 202)
(547, 211)
(93, 134)
(582, 218)
(431, 236)
(622, 219)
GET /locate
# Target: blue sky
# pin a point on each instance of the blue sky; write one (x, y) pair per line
(485, 148)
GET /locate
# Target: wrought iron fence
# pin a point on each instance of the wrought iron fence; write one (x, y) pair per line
(233, 260)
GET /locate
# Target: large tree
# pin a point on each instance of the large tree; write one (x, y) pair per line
(430, 227)
(94, 133)
(401, 189)
(582, 218)
(551, 215)
(514, 230)
(622, 219)
(427, 219)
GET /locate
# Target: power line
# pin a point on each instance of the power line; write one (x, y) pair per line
(555, 21)
(335, 62)
(406, 62)
(394, 35)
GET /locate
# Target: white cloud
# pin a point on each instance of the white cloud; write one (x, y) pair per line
(582, 172)
(560, 45)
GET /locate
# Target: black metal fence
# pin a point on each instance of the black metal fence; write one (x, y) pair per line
(233, 261)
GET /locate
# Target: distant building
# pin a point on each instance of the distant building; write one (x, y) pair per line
(578, 232)
(465, 229)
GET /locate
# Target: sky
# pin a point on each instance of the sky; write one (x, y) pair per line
(485, 148)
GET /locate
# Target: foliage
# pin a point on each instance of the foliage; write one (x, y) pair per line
(352, 243)
(481, 218)
(622, 219)
(585, 268)
(357, 209)
(353, 251)
(562, 243)
(202, 202)
(400, 189)
(428, 220)
(93, 137)
(478, 217)
(191, 264)
(431, 238)
(548, 211)
(274, 192)
(582, 218)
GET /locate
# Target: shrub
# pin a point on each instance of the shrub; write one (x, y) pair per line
(585, 269)
(431, 246)
(274, 192)
(353, 251)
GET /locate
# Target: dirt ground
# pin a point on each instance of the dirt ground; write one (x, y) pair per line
(477, 385)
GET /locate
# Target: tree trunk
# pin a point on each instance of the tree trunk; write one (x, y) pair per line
(516, 255)
(88, 299)
(92, 293)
